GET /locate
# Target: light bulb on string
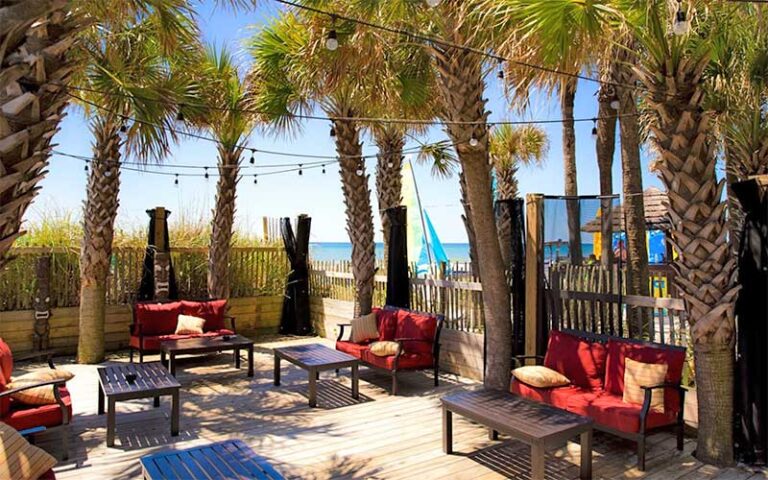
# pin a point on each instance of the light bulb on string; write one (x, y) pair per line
(323, 169)
(473, 142)
(180, 115)
(681, 26)
(255, 180)
(333, 132)
(206, 173)
(86, 167)
(332, 41)
(360, 170)
(390, 165)
(615, 104)
(594, 129)
(433, 3)
(176, 180)
(500, 73)
(301, 172)
(253, 160)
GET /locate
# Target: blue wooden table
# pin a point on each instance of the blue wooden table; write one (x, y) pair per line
(222, 460)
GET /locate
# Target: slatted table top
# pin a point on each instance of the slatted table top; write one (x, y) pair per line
(522, 418)
(150, 377)
(205, 344)
(228, 459)
(315, 355)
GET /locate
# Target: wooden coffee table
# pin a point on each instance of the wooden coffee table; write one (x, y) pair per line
(191, 346)
(315, 358)
(539, 425)
(152, 380)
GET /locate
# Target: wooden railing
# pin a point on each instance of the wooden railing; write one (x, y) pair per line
(254, 271)
(458, 300)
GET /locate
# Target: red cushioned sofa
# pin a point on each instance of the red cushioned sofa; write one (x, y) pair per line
(154, 322)
(418, 336)
(32, 417)
(595, 366)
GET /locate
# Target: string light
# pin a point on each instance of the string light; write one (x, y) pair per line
(86, 167)
(253, 159)
(180, 116)
(500, 74)
(124, 127)
(681, 26)
(594, 129)
(323, 169)
(206, 173)
(255, 179)
(360, 170)
(615, 104)
(333, 132)
(300, 171)
(332, 41)
(433, 3)
(176, 180)
(473, 142)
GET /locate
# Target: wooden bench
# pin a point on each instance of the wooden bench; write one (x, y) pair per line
(539, 425)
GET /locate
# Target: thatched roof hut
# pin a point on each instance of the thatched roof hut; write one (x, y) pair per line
(655, 202)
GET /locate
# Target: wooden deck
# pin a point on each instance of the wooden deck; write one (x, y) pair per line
(375, 437)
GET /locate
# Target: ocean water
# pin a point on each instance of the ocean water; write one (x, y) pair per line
(326, 251)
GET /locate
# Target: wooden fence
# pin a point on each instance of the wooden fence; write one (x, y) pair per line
(460, 301)
(254, 271)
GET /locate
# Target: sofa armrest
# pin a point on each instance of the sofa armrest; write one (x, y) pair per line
(231, 322)
(47, 354)
(398, 340)
(648, 395)
(519, 359)
(341, 330)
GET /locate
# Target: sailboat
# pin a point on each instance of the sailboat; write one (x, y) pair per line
(425, 250)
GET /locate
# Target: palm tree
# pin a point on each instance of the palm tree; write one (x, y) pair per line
(127, 76)
(674, 70)
(510, 148)
(292, 72)
(219, 106)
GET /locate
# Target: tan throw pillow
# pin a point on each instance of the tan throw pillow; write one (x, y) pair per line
(639, 374)
(364, 328)
(188, 325)
(19, 459)
(38, 395)
(384, 349)
(540, 377)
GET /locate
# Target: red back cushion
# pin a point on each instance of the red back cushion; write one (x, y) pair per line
(6, 361)
(5, 402)
(158, 318)
(421, 326)
(213, 311)
(386, 323)
(583, 362)
(619, 351)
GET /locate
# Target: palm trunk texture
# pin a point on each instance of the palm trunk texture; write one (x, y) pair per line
(605, 148)
(99, 216)
(683, 133)
(223, 221)
(389, 181)
(461, 87)
(36, 35)
(506, 189)
(357, 200)
(567, 99)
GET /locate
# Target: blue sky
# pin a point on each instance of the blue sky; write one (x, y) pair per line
(313, 193)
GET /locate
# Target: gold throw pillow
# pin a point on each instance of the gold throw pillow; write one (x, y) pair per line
(639, 374)
(364, 328)
(19, 459)
(38, 395)
(188, 325)
(540, 376)
(384, 349)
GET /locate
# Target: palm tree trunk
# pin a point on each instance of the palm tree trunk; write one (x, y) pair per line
(357, 200)
(634, 213)
(605, 147)
(36, 35)
(567, 99)
(223, 221)
(389, 181)
(461, 87)
(101, 206)
(682, 131)
(506, 189)
(474, 262)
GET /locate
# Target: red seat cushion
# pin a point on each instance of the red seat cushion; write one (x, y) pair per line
(408, 360)
(611, 411)
(354, 349)
(421, 326)
(49, 475)
(582, 362)
(152, 342)
(22, 416)
(571, 398)
(386, 323)
(213, 311)
(618, 351)
(6, 361)
(157, 318)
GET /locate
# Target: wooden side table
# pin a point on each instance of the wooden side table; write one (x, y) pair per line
(147, 380)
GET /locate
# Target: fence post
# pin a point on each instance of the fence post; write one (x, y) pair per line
(42, 305)
(534, 281)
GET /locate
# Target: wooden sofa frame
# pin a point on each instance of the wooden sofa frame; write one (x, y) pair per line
(639, 437)
(137, 326)
(400, 341)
